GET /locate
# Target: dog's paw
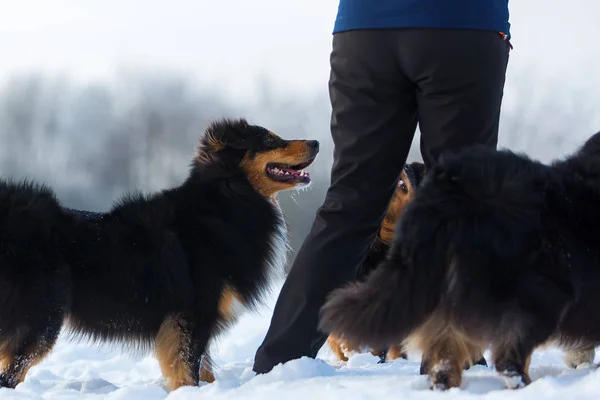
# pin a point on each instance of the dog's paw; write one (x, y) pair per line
(513, 379)
(444, 375)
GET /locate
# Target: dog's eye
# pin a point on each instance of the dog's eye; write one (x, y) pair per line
(402, 185)
(270, 141)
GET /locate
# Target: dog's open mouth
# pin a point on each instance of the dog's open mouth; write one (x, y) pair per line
(289, 173)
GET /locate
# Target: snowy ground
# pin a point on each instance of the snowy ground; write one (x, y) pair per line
(79, 371)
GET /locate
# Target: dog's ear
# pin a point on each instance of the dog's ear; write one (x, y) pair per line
(226, 133)
(221, 135)
(237, 137)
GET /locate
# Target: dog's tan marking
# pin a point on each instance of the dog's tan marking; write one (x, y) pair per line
(214, 143)
(336, 345)
(527, 365)
(395, 352)
(35, 354)
(6, 352)
(14, 369)
(209, 145)
(172, 344)
(399, 201)
(255, 166)
(229, 304)
(206, 371)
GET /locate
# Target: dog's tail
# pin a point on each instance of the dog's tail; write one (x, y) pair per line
(391, 302)
(455, 246)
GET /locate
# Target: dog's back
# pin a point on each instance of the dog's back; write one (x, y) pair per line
(129, 271)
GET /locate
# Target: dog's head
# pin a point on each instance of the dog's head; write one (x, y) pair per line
(270, 163)
(410, 178)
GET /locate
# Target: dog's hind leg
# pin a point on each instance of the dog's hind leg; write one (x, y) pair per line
(512, 350)
(26, 349)
(396, 351)
(526, 326)
(336, 347)
(446, 363)
(477, 358)
(180, 344)
(512, 363)
(445, 352)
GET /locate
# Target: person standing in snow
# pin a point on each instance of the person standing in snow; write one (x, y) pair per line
(394, 63)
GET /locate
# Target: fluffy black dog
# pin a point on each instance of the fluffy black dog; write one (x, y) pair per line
(496, 249)
(161, 272)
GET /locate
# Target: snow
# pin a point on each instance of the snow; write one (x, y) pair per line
(78, 370)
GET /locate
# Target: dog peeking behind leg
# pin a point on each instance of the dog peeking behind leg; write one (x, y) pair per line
(411, 176)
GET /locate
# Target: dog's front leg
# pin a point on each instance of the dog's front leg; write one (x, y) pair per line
(180, 344)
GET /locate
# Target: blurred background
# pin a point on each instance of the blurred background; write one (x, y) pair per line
(98, 97)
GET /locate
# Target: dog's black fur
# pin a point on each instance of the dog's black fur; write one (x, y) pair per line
(502, 248)
(155, 272)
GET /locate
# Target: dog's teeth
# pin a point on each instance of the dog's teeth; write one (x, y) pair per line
(276, 171)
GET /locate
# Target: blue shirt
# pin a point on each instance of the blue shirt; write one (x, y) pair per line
(488, 15)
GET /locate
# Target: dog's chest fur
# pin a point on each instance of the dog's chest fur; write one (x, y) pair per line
(232, 304)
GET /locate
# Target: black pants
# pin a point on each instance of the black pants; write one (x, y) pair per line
(383, 82)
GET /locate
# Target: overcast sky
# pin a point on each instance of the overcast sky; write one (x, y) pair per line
(232, 41)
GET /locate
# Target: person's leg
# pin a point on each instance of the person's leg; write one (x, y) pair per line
(460, 76)
(372, 126)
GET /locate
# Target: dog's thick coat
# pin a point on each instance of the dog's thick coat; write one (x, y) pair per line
(162, 272)
(496, 248)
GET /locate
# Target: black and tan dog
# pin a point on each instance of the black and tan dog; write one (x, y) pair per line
(162, 272)
(411, 176)
(495, 249)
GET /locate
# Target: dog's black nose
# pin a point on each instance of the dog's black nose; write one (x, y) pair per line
(313, 144)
